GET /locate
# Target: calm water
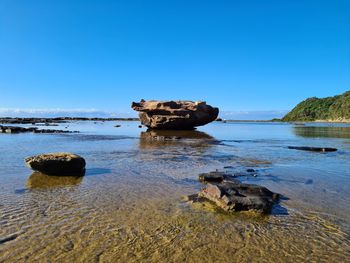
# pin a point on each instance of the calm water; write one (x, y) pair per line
(130, 208)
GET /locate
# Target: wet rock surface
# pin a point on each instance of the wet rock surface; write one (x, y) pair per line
(312, 149)
(231, 195)
(16, 129)
(60, 164)
(235, 196)
(175, 115)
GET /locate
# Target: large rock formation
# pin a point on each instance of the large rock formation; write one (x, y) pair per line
(179, 115)
(57, 164)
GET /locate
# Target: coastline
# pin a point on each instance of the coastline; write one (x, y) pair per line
(29, 120)
(34, 120)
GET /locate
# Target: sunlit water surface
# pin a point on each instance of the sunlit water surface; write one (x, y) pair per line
(129, 206)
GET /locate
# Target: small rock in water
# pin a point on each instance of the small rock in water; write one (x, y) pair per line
(57, 164)
(250, 170)
(235, 196)
(309, 181)
(117, 126)
(312, 149)
(231, 195)
(212, 177)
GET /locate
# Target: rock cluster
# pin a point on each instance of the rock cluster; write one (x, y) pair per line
(175, 115)
(57, 164)
(231, 195)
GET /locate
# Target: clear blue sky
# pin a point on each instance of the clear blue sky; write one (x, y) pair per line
(238, 55)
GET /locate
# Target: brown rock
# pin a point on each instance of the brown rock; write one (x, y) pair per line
(173, 115)
(57, 164)
(235, 196)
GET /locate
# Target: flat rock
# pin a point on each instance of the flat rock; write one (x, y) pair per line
(312, 149)
(16, 129)
(233, 196)
(174, 115)
(57, 164)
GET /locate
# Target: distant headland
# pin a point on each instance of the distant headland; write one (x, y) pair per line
(330, 109)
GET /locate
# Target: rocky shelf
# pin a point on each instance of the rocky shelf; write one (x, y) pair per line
(16, 129)
(58, 120)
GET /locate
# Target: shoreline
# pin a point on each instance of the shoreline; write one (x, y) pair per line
(34, 120)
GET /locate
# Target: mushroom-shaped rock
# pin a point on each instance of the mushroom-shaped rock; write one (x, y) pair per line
(175, 115)
(57, 164)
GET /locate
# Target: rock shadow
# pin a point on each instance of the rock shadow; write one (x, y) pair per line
(39, 180)
(152, 139)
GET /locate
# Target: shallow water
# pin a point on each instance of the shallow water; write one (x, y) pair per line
(129, 206)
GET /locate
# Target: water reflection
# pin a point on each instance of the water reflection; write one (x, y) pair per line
(41, 180)
(329, 132)
(163, 138)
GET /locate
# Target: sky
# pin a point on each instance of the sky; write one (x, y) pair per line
(253, 59)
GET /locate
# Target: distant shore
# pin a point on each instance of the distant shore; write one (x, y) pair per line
(28, 120)
(34, 120)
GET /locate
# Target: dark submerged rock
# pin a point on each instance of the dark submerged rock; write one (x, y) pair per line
(312, 149)
(16, 129)
(211, 177)
(215, 176)
(175, 115)
(58, 164)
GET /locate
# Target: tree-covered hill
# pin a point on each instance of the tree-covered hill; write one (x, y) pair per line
(335, 108)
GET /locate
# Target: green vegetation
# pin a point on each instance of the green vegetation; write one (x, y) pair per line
(335, 108)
